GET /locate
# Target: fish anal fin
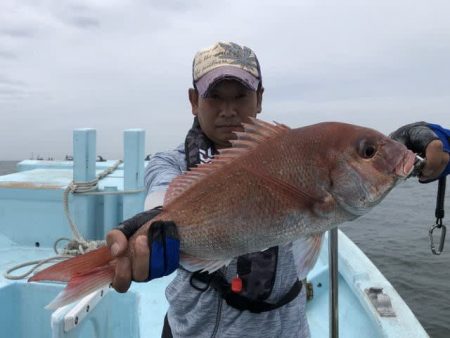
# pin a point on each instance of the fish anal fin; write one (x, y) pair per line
(255, 133)
(306, 252)
(192, 263)
(81, 285)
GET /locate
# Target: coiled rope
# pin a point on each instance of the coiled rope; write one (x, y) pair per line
(78, 244)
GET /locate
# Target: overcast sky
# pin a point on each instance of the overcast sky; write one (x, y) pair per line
(112, 65)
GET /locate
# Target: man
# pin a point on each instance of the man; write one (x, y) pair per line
(227, 91)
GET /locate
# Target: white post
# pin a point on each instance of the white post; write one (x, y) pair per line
(84, 156)
(110, 210)
(134, 141)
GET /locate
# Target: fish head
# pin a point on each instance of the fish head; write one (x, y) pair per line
(367, 166)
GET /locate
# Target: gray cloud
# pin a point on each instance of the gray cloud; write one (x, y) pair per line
(7, 55)
(17, 32)
(81, 15)
(11, 89)
(10, 92)
(5, 80)
(85, 22)
(173, 6)
(123, 64)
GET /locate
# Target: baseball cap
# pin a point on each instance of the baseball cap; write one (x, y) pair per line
(225, 60)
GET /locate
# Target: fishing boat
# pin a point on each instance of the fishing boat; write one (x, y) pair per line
(46, 203)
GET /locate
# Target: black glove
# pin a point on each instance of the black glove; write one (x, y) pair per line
(163, 242)
(131, 225)
(415, 136)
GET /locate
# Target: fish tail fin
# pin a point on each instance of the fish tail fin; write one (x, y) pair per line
(65, 270)
(84, 274)
(82, 285)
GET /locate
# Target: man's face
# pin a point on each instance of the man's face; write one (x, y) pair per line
(228, 104)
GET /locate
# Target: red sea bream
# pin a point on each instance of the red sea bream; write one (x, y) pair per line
(273, 186)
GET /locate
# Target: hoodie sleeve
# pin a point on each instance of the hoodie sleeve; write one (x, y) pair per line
(162, 168)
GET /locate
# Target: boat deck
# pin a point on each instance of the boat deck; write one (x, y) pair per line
(140, 312)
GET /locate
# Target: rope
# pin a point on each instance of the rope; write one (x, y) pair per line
(122, 192)
(80, 188)
(78, 245)
(36, 263)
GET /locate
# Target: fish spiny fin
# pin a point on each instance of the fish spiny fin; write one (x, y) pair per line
(306, 252)
(65, 270)
(82, 285)
(192, 263)
(256, 132)
(264, 129)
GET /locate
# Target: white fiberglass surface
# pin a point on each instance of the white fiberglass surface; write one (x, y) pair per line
(353, 320)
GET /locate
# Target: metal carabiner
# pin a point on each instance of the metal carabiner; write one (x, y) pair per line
(439, 213)
(443, 228)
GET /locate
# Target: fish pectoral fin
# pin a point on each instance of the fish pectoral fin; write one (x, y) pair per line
(306, 252)
(280, 185)
(192, 263)
(82, 285)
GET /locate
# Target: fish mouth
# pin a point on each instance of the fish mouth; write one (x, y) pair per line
(405, 165)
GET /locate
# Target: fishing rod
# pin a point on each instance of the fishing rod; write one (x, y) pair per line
(439, 211)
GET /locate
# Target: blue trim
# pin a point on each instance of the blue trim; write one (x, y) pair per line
(444, 136)
(164, 258)
(172, 255)
(157, 262)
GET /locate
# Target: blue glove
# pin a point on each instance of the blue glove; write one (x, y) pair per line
(444, 136)
(164, 247)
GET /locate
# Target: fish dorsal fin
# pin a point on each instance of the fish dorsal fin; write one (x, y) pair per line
(254, 134)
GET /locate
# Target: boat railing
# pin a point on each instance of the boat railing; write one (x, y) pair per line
(66, 319)
(333, 282)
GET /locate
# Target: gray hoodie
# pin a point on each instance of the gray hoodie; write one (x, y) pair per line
(198, 314)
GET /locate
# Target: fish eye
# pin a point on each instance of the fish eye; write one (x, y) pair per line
(367, 149)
